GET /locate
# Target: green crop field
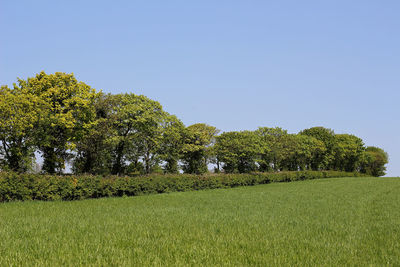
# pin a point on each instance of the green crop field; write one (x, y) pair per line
(341, 221)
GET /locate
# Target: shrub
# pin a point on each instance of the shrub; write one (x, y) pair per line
(46, 187)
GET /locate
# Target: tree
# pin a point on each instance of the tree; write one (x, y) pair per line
(238, 151)
(149, 135)
(198, 139)
(324, 159)
(19, 113)
(347, 152)
(172, 143)
(310, 150)
(373, 161)
(94, 148)
(138, 131)
(270, 139)
(286, 151)
(123, 115)
(67, 109)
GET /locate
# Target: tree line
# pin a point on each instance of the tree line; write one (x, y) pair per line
(67, 121)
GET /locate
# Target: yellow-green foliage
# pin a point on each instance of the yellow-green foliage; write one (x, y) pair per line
(196, 150)
(124, 134)
(67, 111)
(373, 161)
(19, 115)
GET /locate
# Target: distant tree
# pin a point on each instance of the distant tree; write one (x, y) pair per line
(373, 161)
(238, 151)
(62, 118)
(286, 152)
(347, 152)
(124, 113)
(309, 151)
(172, 143)
(138, 132)
(198, 140)
(150, 133)
(94, 148)
(67, 110)
(19, 114)
(131, 134)
(270, 153)
(324, 159)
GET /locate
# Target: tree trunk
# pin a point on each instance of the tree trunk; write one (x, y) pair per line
(117, 166)
(50, 159)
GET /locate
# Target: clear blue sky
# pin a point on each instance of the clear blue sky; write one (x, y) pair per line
(232, 64)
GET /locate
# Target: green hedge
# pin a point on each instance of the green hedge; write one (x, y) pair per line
(44, 187)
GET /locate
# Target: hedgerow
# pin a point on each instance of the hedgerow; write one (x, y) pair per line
(14, 186)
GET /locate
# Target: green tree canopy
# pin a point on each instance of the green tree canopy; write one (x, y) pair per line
(172, 143)
(347, 152)
(94, 148)
(65, 119)
(373, 161)
(238, 151)
(298, 152)
(19, 115)
(139, 125)
(67, 110)
(198, 139)
(327, 136)
(271, 149)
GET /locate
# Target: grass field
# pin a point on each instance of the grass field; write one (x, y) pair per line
(341, 221)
